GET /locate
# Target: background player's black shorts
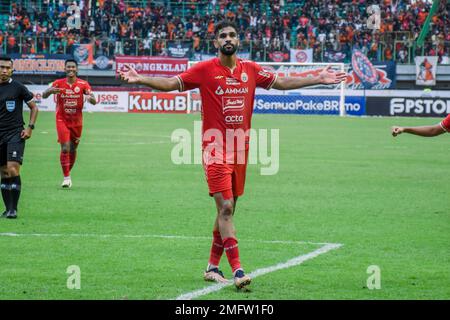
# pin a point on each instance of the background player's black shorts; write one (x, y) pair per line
(12, 147)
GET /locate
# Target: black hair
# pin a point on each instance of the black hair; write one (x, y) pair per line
(71, 60)
(224, 24)
(6, 58)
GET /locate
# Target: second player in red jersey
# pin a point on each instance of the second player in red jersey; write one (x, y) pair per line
(227, 87)
(71, 93)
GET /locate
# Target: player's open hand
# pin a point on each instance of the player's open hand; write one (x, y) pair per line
(130, 75)
(396, 131)
(329, 76)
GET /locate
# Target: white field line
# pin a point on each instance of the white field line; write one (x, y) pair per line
(131, 143)
(161, 236)
(325, 247)
(259, 272)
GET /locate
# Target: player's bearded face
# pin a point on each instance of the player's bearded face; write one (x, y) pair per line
(228, 49)
(228, 41)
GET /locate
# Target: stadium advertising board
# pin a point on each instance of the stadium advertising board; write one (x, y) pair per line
(408, 106)
(154, 66)
(323, 105)
(39, 63)
(107, 101)
(157, 102)
(43, 104)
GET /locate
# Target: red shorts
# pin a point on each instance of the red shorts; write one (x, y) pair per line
(68, 132)
(225, 177)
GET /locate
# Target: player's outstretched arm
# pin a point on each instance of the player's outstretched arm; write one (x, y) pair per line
(163, 84)
(326, 76)
(50, 91)
(425, 131)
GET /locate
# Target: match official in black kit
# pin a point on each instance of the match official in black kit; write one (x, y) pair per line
(13, 134)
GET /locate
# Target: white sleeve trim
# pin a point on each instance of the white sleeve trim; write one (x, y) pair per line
(30, 101)
(273, 82)
(443, 127)
(180, 83)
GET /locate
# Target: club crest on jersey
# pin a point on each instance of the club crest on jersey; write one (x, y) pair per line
(10, 106)
(244, 77)
(77, 89)
(219, 90)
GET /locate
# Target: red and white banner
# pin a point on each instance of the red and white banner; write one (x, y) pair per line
(157, 102)
(154, 66)
(301, 56)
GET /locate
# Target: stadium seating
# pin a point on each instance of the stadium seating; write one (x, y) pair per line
(144, 27)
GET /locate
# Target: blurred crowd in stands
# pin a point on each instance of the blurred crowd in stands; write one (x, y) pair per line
(329, 27)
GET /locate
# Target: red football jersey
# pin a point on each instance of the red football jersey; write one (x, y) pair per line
(445, 124)
(227, 97)
(70, 102)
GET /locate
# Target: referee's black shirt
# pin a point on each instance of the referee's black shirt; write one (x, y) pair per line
(12, 96)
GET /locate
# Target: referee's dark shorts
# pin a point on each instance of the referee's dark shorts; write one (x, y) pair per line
(12, 146)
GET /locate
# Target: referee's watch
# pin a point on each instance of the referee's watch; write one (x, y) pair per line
(31, 126)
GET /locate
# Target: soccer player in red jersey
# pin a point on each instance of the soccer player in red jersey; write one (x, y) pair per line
(424, 131)
(227, 88)
(70, 96)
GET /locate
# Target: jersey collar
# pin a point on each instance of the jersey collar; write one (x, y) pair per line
(236, 69)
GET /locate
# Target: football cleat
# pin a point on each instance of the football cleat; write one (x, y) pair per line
(11, 214)
(215, 275)
(67, 183)
(240, 279)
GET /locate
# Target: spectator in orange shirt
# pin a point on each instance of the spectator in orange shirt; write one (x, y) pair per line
(196, 43)
(211, 27)
(421, 16)
(230, 15)
(11, 41)
(388, 53)
(170, 27)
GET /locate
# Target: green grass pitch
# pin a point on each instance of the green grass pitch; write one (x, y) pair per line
(341, 180)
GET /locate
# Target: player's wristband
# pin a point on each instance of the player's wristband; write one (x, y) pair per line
(31, 126)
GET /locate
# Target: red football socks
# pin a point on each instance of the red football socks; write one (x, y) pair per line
(64, 159)
(216, 249)
(231, 249)
(73, 157)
